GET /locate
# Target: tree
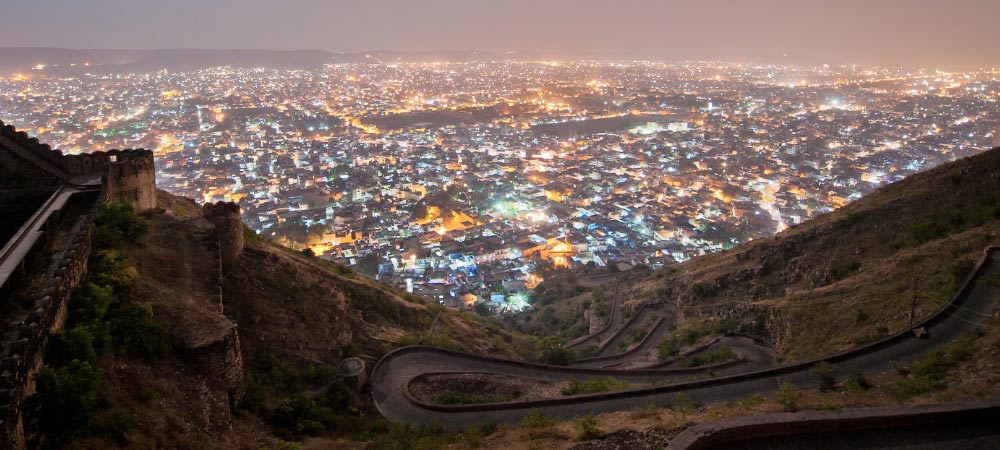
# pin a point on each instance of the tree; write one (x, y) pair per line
(554, 353)
(117, 225)
(482, 309)
(65, 400)
(369, 265)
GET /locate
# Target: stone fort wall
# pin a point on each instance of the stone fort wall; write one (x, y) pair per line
(132, 180)
(127, 175)
(229, 231)
(22, 347)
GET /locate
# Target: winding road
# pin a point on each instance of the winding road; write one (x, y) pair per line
(391, 376)
(597, 337)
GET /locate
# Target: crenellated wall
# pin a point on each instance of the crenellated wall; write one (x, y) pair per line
(229, 231)
(43, 151)
(126, 175)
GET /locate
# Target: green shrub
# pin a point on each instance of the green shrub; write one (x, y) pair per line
(89, 303)
(452, 397)
(703, 291)
(268, 374)
(843, 270)
(369, 265)
(929, 372)
(602, 310)
(935, 364)
(753, 400)
(587, 427)
(689, 335)
(718, 355)
(684, 403)
(285, 445)
(404, 437)
(255, 392)
(65, 399)
(537, 420)
(587, 352)
(594, 385)
(67, 345)
(136, 331)
(906, 389)
(375, 304)
(636, 335)
(110, 268)
(301, 415)
(787, 397)
(856, 382)
(474, 435)
(553, 352)
(827, 376)
(929, 231)
(118, 225)
(668, 348)
(251, 236)
(319, 373)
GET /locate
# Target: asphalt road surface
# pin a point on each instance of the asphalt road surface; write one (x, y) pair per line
(391, 376)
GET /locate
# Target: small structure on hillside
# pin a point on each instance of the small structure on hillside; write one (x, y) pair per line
(228, 229)
(352, 371)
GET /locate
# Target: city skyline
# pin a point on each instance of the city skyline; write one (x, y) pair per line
(887, 32)
(472, 182)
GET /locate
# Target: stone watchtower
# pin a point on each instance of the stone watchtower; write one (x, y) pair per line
(228, 229)
(131, 178)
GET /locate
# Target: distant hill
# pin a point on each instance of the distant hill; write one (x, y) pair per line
(63, 61)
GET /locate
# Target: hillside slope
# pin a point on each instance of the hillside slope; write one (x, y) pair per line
(847, 277)
(194, 372)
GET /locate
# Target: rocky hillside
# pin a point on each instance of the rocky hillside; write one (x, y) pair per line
(161, 351)
(847, 277)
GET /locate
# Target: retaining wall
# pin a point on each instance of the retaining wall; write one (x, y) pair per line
(729, 433)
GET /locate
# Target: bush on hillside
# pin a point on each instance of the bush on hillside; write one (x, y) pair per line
(65, 399)
(118, 225)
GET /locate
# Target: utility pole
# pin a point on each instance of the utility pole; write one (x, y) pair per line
(913, 303)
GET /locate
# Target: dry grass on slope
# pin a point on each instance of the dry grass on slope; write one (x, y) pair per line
(846, 277)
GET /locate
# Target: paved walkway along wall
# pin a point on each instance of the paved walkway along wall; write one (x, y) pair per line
(24, 347)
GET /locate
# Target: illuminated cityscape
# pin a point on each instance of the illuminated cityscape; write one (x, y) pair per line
(472, 181)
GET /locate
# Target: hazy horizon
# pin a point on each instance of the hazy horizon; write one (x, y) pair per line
(880, 32)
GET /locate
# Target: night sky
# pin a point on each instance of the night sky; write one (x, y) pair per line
(919, 32)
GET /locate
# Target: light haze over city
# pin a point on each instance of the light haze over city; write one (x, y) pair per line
(906, 32)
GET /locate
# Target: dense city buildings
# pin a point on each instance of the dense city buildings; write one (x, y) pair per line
(470, 182)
